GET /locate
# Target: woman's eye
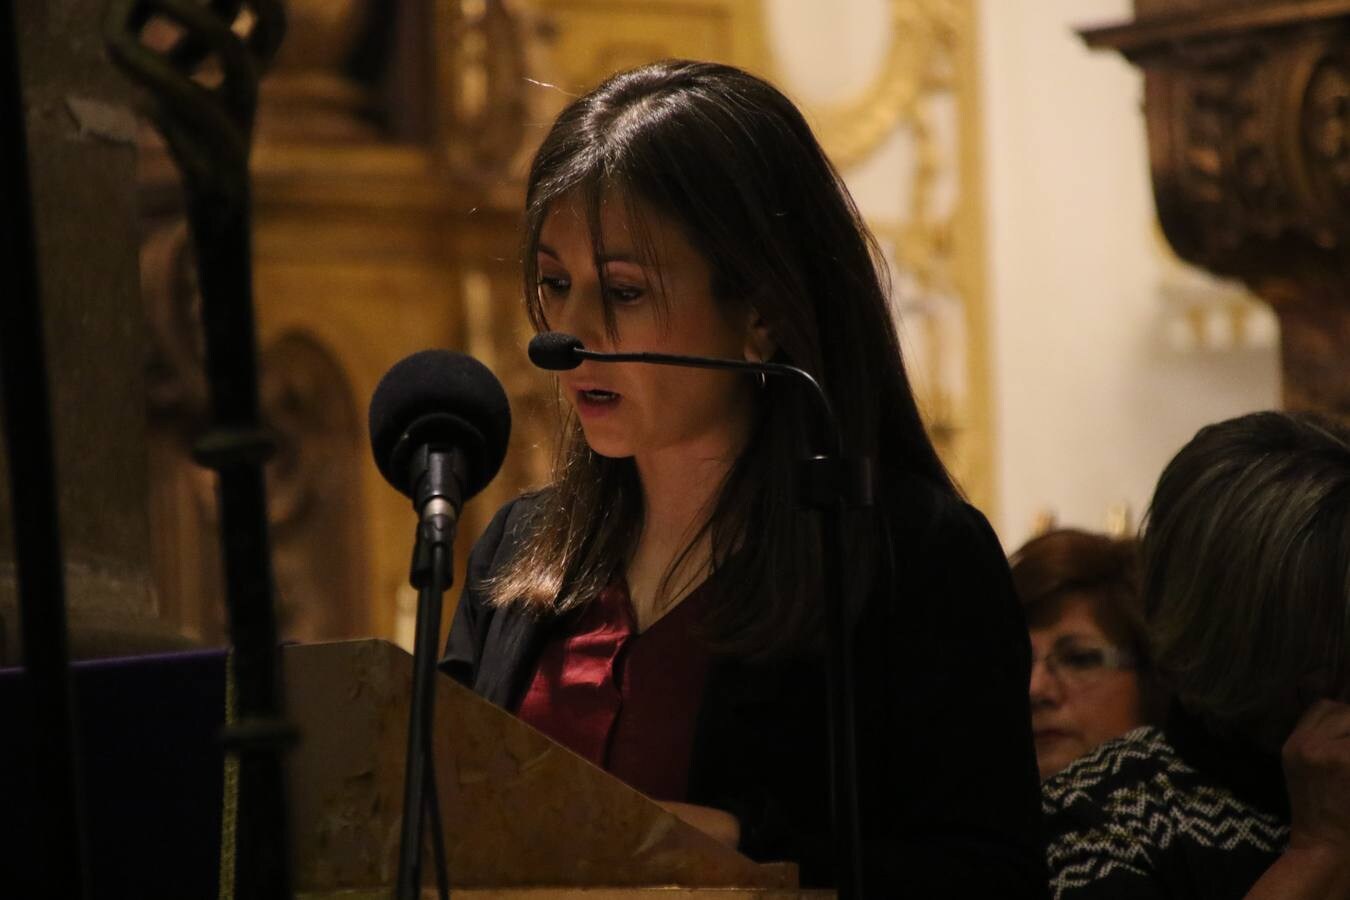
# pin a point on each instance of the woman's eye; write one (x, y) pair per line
(618, 294)
(1084, 658)
(554, 284)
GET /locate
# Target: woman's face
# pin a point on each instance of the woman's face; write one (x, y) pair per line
(661, 291)
(1075, 705)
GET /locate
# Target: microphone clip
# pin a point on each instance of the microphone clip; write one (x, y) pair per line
(436, 476)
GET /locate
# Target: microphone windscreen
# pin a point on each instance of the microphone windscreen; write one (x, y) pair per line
(442, 397)
(555, 351)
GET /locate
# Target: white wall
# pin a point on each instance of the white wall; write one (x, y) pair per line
(1094, 389)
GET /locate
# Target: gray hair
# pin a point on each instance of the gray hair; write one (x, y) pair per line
(1246, 558)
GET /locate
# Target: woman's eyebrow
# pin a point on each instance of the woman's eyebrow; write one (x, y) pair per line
(1076, 637)
(623, 256)
(619, 256)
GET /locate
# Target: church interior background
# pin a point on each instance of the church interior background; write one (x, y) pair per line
(1061, 350)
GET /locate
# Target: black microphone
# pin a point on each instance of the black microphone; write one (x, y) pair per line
(558, 352)
(439, 425)
(439, 404)
(555, 351)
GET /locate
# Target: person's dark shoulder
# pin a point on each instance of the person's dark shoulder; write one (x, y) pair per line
(932, 522)
(502, 537)
(949, 649)
(943, 581)
(474, 613)
(939, 544)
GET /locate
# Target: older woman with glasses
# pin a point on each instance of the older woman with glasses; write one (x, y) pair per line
(1089, 679)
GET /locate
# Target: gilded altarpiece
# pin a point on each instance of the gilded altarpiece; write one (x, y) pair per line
(385, 220)
(388, 181)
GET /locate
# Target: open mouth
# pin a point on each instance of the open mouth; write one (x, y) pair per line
(596, 396)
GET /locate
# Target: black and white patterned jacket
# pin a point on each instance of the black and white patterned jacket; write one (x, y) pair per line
(1171, 812)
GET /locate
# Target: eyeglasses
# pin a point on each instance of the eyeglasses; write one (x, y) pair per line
(1079, 665)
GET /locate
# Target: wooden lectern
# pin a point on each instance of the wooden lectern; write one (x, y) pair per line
(523, 816)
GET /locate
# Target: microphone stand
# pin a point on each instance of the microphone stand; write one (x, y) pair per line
(829, 484)
(437, 497)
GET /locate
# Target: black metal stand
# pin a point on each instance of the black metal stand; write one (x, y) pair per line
(209, 130)
(830, 486)
(62, 870)
(235, 447)
(436, 497)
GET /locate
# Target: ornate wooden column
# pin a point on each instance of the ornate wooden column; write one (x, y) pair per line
(82, 160)
(1248, 116)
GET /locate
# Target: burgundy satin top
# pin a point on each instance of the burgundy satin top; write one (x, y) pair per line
(624, 700)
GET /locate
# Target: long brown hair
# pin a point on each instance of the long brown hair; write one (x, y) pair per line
(729, 159)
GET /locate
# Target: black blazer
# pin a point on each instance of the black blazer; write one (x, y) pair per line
(949, 793)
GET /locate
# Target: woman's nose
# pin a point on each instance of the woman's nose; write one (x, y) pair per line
(583, 317)
(1045, 687)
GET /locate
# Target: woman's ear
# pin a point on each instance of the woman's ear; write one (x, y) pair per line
(759, 343)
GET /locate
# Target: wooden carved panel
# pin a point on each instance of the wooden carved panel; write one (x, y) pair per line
(1248, 112)
(313, 509)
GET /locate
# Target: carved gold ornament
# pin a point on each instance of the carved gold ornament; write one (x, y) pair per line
(924, 37)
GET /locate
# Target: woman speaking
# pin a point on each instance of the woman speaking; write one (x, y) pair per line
(658, 607)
